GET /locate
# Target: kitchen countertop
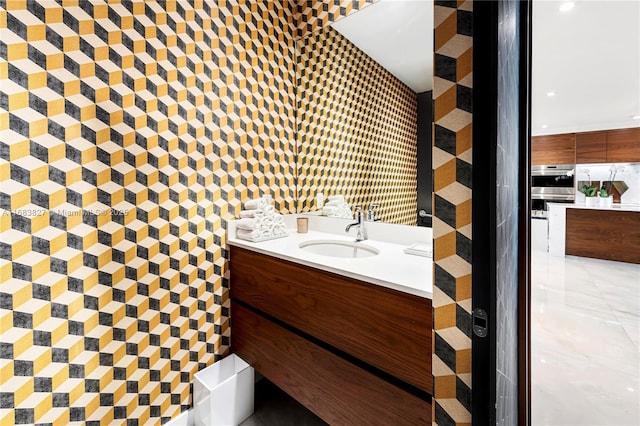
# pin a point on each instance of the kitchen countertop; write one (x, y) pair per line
(391, 268)
(614, 207)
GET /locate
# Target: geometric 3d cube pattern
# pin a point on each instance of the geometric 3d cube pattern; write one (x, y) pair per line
(130, 133)
(452, 212)
(314, 14)
(356, 129)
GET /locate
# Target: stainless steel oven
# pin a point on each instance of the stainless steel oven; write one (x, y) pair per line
(551, 184)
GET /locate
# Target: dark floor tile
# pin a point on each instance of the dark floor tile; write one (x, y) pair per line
(273, 407)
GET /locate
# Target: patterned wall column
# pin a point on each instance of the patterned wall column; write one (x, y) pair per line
(452, 212)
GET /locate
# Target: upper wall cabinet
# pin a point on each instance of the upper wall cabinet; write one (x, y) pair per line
(623, 146)
(553, 149)
(608, 146)
(591, 147)
(604, 146)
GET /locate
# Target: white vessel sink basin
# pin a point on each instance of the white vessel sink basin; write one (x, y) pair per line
(337, 248)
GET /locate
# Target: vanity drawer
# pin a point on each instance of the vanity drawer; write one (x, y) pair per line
(384, 328)
(334, 389)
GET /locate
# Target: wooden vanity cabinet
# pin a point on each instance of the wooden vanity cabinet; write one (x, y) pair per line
(553, 149)
(352, 352)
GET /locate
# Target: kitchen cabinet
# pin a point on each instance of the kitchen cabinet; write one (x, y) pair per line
(604, 146)
(553, 149)
(350, 351)
(591, 147)
(623, 145)
(603, 234)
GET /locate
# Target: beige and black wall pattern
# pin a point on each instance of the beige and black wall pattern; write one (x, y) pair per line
(130, 133)
(452, 212)
(356, 129)
(314, 14)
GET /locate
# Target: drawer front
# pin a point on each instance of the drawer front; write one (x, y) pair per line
(334, 389)
(387, 329)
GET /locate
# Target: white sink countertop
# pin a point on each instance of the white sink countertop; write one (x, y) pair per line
(391, 268)
(615, 207)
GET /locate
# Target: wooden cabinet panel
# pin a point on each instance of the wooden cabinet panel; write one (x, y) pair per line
(387, 329)
(334, 389)
(603, 234)
(591, 147)
(553, 149)
(623, 146)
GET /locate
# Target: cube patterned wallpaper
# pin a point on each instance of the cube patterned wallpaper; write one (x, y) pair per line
(452, 94)
(315, 14)
(356, 129)
(131, 132)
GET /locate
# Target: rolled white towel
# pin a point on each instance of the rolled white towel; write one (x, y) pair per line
(265, 233)
(248, 224)
(344, 211)
(334, 203)
(278, 229)
(329, 210)
(257, 203)
(252, 213)
(268, 210)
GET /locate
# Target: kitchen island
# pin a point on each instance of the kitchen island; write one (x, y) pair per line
(611, 233)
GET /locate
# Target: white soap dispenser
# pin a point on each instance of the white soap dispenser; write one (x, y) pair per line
(319, 200)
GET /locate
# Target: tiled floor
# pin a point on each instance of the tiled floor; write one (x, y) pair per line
(585, 330)
(273, 407)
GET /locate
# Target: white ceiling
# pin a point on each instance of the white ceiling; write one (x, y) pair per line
(399, 35)
(590, 57)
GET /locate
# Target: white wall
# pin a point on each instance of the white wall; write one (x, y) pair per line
(630, 175)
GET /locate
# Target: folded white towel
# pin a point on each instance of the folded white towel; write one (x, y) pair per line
(248, 224)
(251, 213)
(261, 227)
(334, 203)
(258, 203)
(338, 197)
(248, 235)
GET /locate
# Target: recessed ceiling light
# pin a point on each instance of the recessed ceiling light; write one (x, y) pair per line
(550, 94)
(566, 6)
(544, 126)
(635, 117)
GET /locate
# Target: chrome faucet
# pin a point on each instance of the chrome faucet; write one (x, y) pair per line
(361, 234)
(371, 213)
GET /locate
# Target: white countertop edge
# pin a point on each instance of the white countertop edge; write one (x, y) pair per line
(614, 207)
(327, 268)
(287, 249)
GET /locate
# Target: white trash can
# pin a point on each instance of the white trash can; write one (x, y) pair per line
(223, 393)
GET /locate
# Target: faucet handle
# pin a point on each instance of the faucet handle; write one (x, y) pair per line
(371, 213)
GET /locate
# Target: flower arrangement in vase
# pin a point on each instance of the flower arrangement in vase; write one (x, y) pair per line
(606, 199)
(590, 193)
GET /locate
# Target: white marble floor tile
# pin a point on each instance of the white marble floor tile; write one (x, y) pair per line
(585, 326)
